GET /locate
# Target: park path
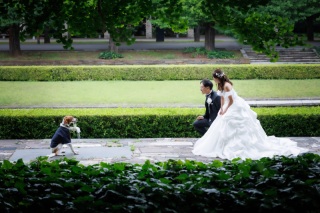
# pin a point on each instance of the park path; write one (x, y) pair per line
(127, 150)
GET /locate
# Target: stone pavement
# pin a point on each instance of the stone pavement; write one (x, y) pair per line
(283, 102)
(140, 44)
(94, 151)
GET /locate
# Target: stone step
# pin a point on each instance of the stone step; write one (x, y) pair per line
(290, 49)
(281, 62)
(283, 48)
(289, 57)
(286, 55)
(287, 61)
(287, 52)
(284, 62)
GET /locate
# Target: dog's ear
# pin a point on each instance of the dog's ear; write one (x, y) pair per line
(67, 119)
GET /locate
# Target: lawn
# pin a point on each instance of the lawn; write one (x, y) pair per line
(130, 93)
(126, 93)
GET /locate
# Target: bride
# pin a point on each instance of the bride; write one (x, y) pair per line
(236, 132)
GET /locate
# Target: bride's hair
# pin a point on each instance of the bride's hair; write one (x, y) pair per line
(219, 74)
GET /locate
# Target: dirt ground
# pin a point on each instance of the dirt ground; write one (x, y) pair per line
(129, 57)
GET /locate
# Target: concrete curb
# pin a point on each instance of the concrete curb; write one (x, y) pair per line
(252, 103)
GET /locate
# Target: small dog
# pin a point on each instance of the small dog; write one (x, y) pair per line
(63, 136)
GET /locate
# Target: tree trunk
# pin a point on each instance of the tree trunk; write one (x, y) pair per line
(209, 36)
(310, 31)
(197, 34)
(159, 34)
(14, 40)
(112, 46)
(46, 35)
(38, 36)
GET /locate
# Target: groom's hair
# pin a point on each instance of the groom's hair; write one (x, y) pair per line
(207, 83)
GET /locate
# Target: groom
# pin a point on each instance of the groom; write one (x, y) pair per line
(212, 104)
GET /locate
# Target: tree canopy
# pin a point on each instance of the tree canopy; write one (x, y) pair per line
(297, 11)
(263, 24)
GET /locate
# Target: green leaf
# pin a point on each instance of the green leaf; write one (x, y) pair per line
(87, 188)
(7, 164)
(119, 166)
(165, 180)
(182, 177)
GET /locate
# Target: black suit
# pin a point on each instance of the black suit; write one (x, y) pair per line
(211, 113)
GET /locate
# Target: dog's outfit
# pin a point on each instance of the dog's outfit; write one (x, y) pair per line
(61, 136)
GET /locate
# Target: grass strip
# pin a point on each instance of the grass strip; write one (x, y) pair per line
(127, 93)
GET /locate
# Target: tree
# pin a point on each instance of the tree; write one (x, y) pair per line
(30, 18)
(223, 13)
(214, 14)
(261, 29)
(195, 17)
(168, 14)
(264, 32)
(305, 11)
(11, 17)
(250, 21)
(119, 18)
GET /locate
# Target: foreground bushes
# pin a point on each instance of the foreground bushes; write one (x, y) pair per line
(147, 122)
(157, 72)
(278, 184)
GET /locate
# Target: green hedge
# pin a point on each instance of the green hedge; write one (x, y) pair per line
(147, 122)
(157, 72)
(269, 185)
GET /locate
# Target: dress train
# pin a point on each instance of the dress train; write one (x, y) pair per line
(239, 134)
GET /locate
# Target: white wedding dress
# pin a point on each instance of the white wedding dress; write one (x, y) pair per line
(239, 134)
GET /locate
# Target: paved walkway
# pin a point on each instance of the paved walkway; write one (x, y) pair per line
(140, 44)
(81, 44)
(283, 102)
(94, 151)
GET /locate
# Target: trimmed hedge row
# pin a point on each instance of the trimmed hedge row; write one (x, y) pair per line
(147, 122)
(157, 72)
(269, 185)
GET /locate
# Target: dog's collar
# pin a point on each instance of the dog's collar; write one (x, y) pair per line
(63, 125)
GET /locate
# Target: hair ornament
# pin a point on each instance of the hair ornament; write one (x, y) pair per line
(220, 75)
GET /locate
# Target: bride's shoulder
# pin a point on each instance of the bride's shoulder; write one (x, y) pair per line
(228, 87)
